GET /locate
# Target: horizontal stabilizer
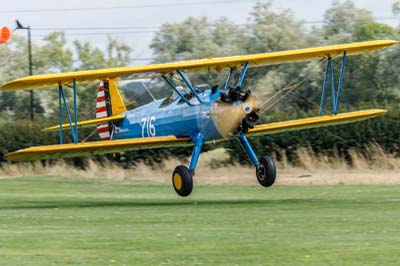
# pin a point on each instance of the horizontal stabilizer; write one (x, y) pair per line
(92, 148)
(87, 123)
(313, 122)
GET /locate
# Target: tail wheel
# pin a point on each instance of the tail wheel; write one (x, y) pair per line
(266, 171)
(182, 181)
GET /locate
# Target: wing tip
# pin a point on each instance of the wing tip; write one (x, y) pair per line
(386, 43)
(391, 42)
(11, 156)
(378, 111)
(6, 86)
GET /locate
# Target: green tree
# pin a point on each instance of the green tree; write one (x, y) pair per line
(15, 65)
(117, 54)
(363, 82)
(272, 31)
(197, 38)
(343, 20)
(89, 57)
(396, 7)
(53, 56)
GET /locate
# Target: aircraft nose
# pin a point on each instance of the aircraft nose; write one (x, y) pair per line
(252, 104)
(228, 117)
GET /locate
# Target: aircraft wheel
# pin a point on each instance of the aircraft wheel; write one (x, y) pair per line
(182, 181)
(266, 171)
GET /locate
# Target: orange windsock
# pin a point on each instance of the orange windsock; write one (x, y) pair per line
(5, 35)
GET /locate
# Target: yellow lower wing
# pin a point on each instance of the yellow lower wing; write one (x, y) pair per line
(93, 148)
(313, 122)
(87, 123)
(101, 147)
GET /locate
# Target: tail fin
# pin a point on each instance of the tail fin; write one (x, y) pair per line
(109, 103)
(102, 110)
(117, 103)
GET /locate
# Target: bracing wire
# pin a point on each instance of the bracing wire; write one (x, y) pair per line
(90, 134)
(285, 91)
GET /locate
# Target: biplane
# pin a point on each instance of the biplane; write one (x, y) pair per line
(193, 114)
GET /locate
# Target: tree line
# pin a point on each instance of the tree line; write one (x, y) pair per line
(371, 79)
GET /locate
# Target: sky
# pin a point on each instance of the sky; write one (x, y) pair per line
(148, 15)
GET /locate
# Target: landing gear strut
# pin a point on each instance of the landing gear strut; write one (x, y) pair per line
(182, 177)
(265, 167)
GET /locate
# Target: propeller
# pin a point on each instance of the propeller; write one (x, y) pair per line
(236, 111)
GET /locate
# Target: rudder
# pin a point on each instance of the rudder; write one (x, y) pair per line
(109, 103)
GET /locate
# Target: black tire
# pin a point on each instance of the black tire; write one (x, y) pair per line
(266, 171)
(182, 180)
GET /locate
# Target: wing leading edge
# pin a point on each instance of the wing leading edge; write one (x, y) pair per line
(218, 64)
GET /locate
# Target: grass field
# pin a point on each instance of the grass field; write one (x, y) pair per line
(70, 221)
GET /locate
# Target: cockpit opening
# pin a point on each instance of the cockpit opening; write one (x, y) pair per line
(174, 96)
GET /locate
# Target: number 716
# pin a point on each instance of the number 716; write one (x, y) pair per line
(148, 127)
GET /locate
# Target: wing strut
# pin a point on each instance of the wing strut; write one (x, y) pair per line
(228, 79)
(73, 126)
(173, 87)
(335, 93)
(243, 75)
(190, 86)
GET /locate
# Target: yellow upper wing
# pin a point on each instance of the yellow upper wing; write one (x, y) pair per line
(217, 64)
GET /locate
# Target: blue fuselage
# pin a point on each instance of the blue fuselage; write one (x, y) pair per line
(177, 118)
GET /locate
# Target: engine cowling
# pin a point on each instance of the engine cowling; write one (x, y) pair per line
(236, 111)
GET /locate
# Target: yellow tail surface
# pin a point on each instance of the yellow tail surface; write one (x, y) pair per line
(117, 103)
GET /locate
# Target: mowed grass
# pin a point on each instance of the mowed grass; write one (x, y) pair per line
(68, 221)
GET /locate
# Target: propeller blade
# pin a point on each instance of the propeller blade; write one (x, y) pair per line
(229, 116)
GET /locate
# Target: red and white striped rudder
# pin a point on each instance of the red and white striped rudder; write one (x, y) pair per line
(101, 111)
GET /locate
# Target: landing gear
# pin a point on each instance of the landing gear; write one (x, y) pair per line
(265, 166)
(182, 180)
(182, 177)
(266, 171)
